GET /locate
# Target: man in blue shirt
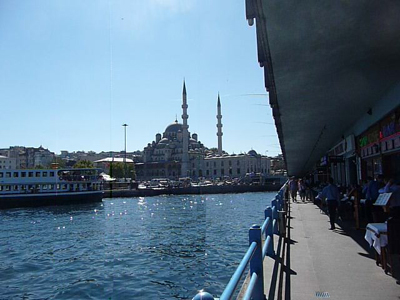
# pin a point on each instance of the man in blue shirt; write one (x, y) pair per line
(371, 194)
(332, 195)
(293, 186)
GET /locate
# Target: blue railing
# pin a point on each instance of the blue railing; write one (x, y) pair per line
(255, 255)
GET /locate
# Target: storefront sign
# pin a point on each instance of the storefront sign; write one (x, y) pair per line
(371, 136)
(345, 146)
(390, 125)
(382, 137)
(390, 131)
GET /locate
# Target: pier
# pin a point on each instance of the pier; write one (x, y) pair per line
(199, 190)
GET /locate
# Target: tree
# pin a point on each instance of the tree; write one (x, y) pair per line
(84, 164)
(117, 170)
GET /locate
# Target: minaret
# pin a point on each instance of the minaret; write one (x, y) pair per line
(185, 135)
(219, 126)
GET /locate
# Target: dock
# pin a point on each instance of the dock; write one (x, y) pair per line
(313, 262)
(200, 190)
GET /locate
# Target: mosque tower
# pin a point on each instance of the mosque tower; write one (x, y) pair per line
(185, 135)
(219, 126)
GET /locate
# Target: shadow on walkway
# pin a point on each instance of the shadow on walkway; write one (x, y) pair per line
(347, 228)
(287, 270)
(280, 287)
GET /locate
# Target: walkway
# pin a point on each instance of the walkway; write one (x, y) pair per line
(320, 263)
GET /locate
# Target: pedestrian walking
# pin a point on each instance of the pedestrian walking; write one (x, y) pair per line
(307, 183)
(293, 188)
(302, 190)
(332, 195)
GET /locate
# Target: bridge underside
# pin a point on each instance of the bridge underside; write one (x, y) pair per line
(326, 64)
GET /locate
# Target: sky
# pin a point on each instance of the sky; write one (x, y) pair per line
(73, 71)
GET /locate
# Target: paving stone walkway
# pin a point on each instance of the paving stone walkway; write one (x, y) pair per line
(324, 264)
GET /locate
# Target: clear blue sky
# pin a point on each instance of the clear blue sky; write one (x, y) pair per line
(69, 80)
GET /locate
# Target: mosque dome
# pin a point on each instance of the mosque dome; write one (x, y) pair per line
(252, 153)
(164, 141)
(174, 128)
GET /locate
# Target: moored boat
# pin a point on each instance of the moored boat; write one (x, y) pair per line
(40, 187)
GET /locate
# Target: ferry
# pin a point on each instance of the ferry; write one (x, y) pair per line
(40, 187)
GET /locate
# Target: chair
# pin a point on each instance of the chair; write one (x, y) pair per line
(393, 247)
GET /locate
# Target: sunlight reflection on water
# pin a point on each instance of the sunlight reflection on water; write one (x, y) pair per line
(164, 247)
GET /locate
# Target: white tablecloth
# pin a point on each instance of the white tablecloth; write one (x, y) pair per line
(376, 235)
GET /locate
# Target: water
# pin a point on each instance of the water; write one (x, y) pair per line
(164, 247)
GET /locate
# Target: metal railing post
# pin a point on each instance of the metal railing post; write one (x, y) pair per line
(275, 220)
(269, 232)
(285, 204)
(287, 193)
(256, 263)
(282, 223)
(277, 203)
(273, 203)
(203, 295)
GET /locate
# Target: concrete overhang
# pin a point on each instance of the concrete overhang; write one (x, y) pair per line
(326, 63)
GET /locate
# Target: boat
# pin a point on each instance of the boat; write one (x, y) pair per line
(41, 187)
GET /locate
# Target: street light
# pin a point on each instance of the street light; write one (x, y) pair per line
(125, 125)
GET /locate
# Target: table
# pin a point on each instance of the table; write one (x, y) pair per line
(376, 236)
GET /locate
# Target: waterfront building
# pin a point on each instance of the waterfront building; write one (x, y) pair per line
(235, 165)
(82, 155)
(43, 157)
(278, 166)
(177, 153)
(7, 162)
(29, 157)
(94, 156)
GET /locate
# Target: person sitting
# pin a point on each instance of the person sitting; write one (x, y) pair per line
(371, 191)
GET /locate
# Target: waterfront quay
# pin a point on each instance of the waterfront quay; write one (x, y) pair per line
(191, 190)
(293, 255)
(314, 262)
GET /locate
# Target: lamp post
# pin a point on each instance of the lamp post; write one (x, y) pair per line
(125, 125)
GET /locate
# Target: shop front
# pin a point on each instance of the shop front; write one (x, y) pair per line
(342, 161)
(321, 171)
(379, 148)
(390, 145)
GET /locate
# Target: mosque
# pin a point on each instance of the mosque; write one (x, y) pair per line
(177, 153)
